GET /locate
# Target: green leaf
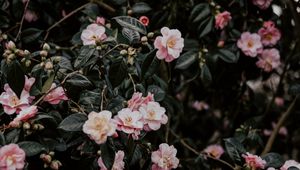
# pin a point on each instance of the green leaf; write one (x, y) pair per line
(15, 77)
(79, 80)
(86, 52)
(234, 149)
(132, 23)
(147, 61)
(273, 160)
(141, 8)
(48, 83)
(206, 27)
(132, 35)
(294, 89)
(31, 148)
(153, 68)
(185, 60)
(206, 75)
(31, 34)
(293, 168)
(107, 155)
(73, 122)
(199, 12)
(227, 56)
(117, 72)
(2, 139)
(159, 94)
(13, 136)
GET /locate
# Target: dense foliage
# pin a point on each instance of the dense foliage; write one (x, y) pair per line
(132, 84)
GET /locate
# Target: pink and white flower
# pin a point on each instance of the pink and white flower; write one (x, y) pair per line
(164, 158)
(222, 19)
(214, 150)
(253, 161)
(169, 45)
(100, 21)
(99, 126)
(93, 34)
(144, 20)
(250, 44)
(269, 60)
(262, 4)
(153, 116)
(269, 34)
(200, 105)
(119, 163)
(137, 100)
(129, 122)
(30, 16)
(290, 163)
(24, 115)
(12, 157)
(282, 131)
(56, 95)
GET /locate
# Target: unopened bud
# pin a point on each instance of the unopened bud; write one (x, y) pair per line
(7, 52)
(41, 127)
(46, 165)
(56, 59)
(144, 39)
(47, 159)
(26, 126)
(42, 64)
(221, 43)
(4, 36)
(55, 165)
(20, 53)
(11, 56)
(99, 152)
(108, 25)
(46, 47)
(42, 155)
(99, 48)
(129, 12)
(10, 45)
(49, 65)
(27, 63)
(51, 153)
(44, 53)
(213, 4)
(23, 60)
(35, 127)
(26, 53)
(150, 34)
(205, 50)
(123, 52)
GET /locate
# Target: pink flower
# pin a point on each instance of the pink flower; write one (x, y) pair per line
(99, 126)
(11, 102)
(129, 122)
(153, 115)
(12, 157)
(279, 101)
(269, 60)
(56, 95)
(28, 83)
(250, 44)
(24, 115)
(169, 45)
(119, 164)
(100, 21)
(200, 105)
(137, 100)
(222, 19)
(254, 161)
(93, 34)
(290, 163)
(269, 34)
(282, 131)
(144, 20)
(30, 16)
(262, 4)
(164, 158)
(214, 150)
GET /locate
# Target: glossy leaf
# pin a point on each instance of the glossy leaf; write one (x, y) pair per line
(73, 122)
(31, 148)
(132, 23)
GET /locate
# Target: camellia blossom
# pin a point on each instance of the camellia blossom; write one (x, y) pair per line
(56, 95)
(99, 126)
(290, 163)
(262, 4)
(30, 16)
(214, 150)
(282, 131)
(269, 34)
(169, 45)
(12, 157)
(200, 105)
(153, 116)
(137, 100)
(129, 122)
(250, 44)
(24, 115)
(119, 163)
(144, 20)
(92, 34)
(269, 59)
(222, 19)
(254, 161)
(100, 21)
(164, 158)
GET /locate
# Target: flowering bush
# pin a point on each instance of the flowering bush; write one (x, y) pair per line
(137, 84)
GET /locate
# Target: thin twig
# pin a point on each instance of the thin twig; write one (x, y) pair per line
(282, 119)
(79, 107)
(63, 19)
(102, 97)
(104, 5)
(134, 87)
(22, 20)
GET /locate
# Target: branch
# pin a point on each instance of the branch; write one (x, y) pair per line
(282, 119)
(22, 20)
(134, 88)
(102, 97)
(104, 5)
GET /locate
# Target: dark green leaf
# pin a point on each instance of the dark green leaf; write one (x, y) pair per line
(227, 56)
(2, 139)
(15, 77)
(234, 149)
(206, 27)
(293, 168)
(132, 35)
(185, 60)
(147, 61)
(132, 23)
(31, 34)
(31, 148)
(199, 12)
(73, 122)
(294, 89)
(48, 83)
(141, 8)
(79, 80)
(13, 136)
(85, 54)
(117, 72)
(107, 155)
(206, 75)
(159, 94)
(273, 160)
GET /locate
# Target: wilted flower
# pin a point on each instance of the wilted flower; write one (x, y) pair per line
(253, 161)
(12, 157)
(56, 95)
(250, 44)
(153, 116)
(262, 4)
(119, 163)
(269, 34)
(214, 150)
(92, 34)
(99, 126)
(164, 158)
(268, 60)
(24, 115)
(144, 20)
(169, 45)
(100, 21)
(290, 163)
(222, 19)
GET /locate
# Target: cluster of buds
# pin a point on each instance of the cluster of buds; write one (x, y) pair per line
(2, 36)
(49, 161)
(30, 128)
(44, 52)
(11, 52)
(130, 53)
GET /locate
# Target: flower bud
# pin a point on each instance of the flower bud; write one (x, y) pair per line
(99, 48)
(221, 43)
(42, 64)
(144, 39)
(205, 50)
(43, 53)
(129, 12)
(26, 126)
(46, 47)
(35, 127)
(56, 59)
(20, 53)
(4, 36)
(23, 60)
(48, 65)
(27, 63)
(42, 155)
(55, 164)
(26, 53)
(123, 52)
(47, 159)
(10, 45)
(99, 152)
(150, 34)
(41, 127)
(108, 25)
(51, 153)
(11, 56)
